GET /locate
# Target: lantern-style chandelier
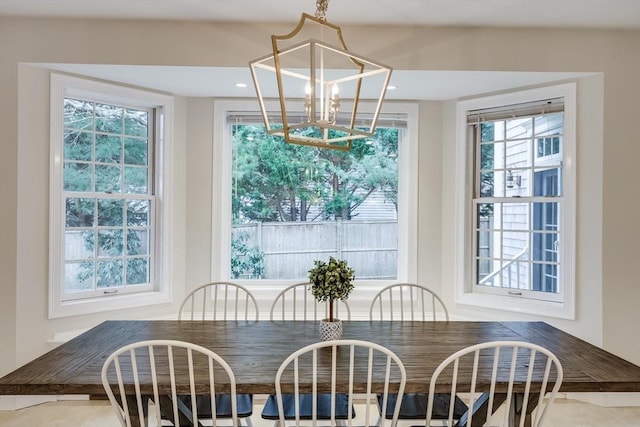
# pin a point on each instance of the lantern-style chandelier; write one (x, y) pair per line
(320, 84)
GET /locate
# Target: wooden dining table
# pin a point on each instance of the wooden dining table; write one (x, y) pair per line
(255, 350)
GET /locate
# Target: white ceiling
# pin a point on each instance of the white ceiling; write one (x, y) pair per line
(518, 13)
(221, 82)
(433, 85)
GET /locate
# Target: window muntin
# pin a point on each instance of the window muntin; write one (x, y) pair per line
(107, 183)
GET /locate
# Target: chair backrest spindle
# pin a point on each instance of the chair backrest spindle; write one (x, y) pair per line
(296, 302)
(407, 301)
(219, 301)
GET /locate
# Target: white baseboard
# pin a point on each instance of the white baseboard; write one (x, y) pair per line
(12, 403)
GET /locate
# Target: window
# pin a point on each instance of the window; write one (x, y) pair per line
(520, 212)
(105, 226)
(291, 204)
(548, 146)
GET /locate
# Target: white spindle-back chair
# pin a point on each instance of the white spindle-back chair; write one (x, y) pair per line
(296, 302)
(407, 301)
(331, 368)
(413, 302)
(528, 369)
(147, 366)
(222, 301)
(219, 301)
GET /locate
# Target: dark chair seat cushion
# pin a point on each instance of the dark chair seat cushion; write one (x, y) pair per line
(223, 405)
(414, 406)
(270, 410)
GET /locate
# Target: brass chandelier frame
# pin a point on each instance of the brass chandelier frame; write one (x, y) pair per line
(320, 124)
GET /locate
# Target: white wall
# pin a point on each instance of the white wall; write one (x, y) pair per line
(32, 223)
(588, 324)
(608, 271)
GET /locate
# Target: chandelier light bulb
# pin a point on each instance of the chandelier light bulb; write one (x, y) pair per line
(335, 90)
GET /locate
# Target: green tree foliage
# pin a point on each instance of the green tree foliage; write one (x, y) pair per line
(275, 181)
(246, 261)
(487, 157)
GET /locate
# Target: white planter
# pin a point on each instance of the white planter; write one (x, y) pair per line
(330, 330)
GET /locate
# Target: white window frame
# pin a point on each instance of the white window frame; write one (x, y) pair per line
(221, 200)
(68, 86)
(464, 259)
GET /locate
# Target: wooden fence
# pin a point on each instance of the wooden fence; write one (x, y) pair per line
(370, 247)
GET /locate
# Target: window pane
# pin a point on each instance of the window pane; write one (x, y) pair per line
(78, 145)
(136, 123)
(515, 216)
(79, 276)
(108, 118)
(110, 243)
(136, 151)
(108, 148)
(518, 154)
(110, 273)
(78, 114)
(515, 274)
(292, 204)
(486, 272)
(138, 271)
(487, 155)
(484, 243)
(79, 212)
(514, 244)
(79, 244)
(485, 215)
(137, 242)
(138, 213)
(547, 182)
(519, 128)
(78, 176)
(549, 124)
(108, 179)
(492, 131)
(135, 180)
(487, 185)
(110, 212)
(518, 183)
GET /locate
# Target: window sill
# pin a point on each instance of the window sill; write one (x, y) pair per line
(111, 303)
(518, 305)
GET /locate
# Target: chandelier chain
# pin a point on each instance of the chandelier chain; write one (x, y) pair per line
(321, 9)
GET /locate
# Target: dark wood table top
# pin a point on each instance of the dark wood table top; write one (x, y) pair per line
(255, 350)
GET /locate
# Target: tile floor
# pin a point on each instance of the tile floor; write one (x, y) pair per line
(564, 413)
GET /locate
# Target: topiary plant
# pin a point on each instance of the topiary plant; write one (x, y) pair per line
(331, 281)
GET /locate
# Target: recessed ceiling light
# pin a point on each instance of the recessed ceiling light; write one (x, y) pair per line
(241, 85)
(392, 87)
